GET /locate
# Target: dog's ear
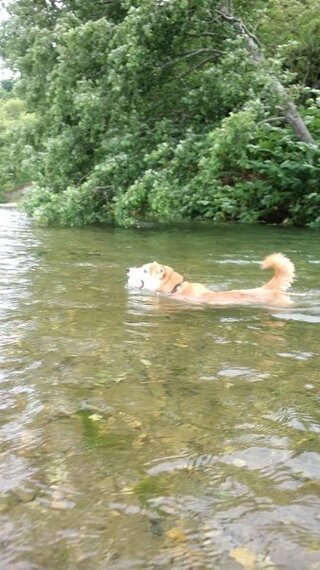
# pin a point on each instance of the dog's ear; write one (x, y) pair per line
(160, 270)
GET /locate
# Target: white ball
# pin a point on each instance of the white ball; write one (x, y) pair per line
(134, 283)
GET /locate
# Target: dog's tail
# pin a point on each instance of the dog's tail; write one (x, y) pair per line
(284, 271)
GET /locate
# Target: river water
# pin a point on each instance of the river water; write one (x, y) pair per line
(138, 432)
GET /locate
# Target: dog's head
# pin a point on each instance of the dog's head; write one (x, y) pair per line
(154, 277)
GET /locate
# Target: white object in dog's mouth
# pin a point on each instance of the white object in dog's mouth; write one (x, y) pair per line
(135, 283)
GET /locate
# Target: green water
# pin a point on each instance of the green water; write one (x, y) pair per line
(138, 432)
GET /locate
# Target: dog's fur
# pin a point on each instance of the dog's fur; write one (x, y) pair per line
(164, 279)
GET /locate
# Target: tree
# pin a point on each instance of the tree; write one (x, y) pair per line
(160, 108)
(293, 28)
(15, 143)
(291, 113)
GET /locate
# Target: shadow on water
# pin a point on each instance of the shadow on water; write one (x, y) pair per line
(142, 432)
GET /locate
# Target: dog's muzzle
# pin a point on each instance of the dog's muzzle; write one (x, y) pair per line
(134, 282)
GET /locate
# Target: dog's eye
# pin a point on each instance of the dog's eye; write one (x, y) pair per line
(145, 271)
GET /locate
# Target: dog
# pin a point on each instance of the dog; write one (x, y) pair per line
(163, 279)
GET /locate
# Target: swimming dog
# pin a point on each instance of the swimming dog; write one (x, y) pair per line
(163, 279)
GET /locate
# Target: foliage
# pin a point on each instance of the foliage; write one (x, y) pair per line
(156, 109)
(247, 169)
(6, 86)
(15, 144)
(300, 51)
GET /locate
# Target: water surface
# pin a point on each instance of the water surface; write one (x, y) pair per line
(141, 432)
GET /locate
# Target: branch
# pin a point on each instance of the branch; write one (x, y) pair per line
(271, 120)
(196, 66)
(240, 24)
(202, 35)
(190, 54)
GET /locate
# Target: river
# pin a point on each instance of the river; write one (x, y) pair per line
(138, 432)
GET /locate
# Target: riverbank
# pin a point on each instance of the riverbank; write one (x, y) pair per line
(9, 205)
(15, 197)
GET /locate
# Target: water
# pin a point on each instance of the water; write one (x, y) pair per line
(141, 432)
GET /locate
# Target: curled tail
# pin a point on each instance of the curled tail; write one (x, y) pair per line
(284, 271)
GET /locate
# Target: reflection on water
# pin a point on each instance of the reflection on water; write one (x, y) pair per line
(141, 432)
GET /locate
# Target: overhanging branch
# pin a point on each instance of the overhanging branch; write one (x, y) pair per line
(190, 54)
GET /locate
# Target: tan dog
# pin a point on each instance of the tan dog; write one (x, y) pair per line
(164, 279)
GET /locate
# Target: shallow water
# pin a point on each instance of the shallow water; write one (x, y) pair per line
(141, 432)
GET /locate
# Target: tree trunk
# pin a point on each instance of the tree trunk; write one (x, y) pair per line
(294, 119)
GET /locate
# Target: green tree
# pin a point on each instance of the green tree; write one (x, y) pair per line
(165, 109)
(15, 144)
(292, 29)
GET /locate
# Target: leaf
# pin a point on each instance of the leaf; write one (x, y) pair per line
(244, 556)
